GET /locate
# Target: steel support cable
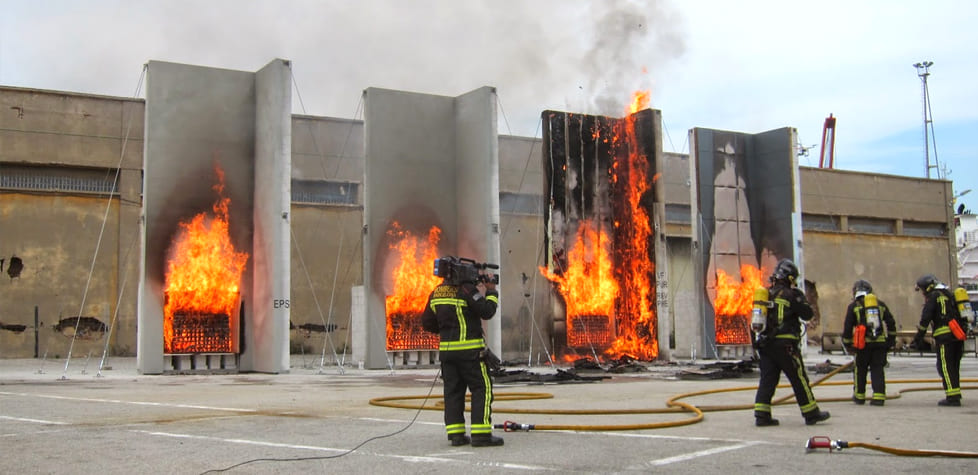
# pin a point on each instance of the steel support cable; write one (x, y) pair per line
(326, 175)
(105, 219)
(674, 405)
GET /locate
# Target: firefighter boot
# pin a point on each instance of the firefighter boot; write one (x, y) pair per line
(486, 440)
(459, 440)
(816, 416)
(765, 421)
(951, 401)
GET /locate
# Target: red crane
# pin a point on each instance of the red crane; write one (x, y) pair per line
(828, 144)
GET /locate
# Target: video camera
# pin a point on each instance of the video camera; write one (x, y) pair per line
(460, 270)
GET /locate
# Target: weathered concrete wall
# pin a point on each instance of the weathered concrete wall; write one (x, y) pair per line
(70, 241)
(891, 260)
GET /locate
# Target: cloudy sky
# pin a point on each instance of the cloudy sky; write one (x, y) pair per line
(746, 66)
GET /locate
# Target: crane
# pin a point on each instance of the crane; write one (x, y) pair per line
(828, 144)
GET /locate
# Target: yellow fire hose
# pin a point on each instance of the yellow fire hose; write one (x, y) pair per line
(838, 445)
(674, 405)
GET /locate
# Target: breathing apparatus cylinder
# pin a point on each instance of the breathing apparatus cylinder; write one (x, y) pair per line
(873, 323)
(758, 315)
(964, 305)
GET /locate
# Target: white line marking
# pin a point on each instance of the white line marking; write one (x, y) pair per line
(135, 403)
(406, 458)
(697, 454)
(38, 421)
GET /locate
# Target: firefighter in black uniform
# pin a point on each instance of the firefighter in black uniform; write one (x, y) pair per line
(779, 348)
(870, 330)
(459, 306)
(941, 314)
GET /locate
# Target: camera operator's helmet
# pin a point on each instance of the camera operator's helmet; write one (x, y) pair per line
(786, 271)
(926, 283)
(861, 287)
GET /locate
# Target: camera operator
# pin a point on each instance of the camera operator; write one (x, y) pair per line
(455, 311)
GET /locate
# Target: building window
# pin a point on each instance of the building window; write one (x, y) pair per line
(871, 225)
(520, 203)
(676, 213)
(58, 179)
(820, 222)
(913, 228)
(325, 192)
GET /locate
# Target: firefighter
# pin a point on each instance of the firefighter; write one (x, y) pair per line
(870, 332)
(941, 314)
(458, 308)
(779, 348)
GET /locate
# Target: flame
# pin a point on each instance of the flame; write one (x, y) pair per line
(640, 100)
(612, 276)
(637, 336)
(588, 284)
(414, 280)
(733, 303)
(204, 271)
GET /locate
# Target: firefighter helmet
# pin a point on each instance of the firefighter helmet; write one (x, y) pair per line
(861, 286)
(786, 271)
(926, 282)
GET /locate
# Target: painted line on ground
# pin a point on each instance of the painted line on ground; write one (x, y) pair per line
(36, 421)
(135, 403)
(694, 455)
(406, 458)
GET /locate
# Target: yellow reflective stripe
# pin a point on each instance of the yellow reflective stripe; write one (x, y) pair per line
(448, 301)
(944, 373)
(942, 330)
(463, 327)
(804, 382)
(761, 407)
(493, 299)
(482, 428)
(462, 345)
(781, 303)
(787, 336)
(487, 398)
(455, 428)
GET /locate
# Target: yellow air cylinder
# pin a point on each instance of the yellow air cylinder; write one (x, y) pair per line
(758, 319)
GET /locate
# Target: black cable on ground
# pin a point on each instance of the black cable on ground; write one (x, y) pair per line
(354, 449)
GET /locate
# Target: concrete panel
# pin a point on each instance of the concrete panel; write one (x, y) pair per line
(198, 118)
(746, 207)
(430, 161)
(269, 334)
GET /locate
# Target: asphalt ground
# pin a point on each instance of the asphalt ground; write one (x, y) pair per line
(77, 420)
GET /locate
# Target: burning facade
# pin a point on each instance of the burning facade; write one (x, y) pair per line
(214, 284)
(431, 163)
(746, 216)
(603, 218)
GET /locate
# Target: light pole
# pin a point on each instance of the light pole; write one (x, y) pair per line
(923, 70)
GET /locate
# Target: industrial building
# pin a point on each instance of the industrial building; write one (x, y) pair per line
(73, 187)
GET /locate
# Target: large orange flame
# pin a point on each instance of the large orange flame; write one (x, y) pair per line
(637, 336)
(613, 278)
(414, 279)
(203, 273)
(733, 302)
(588, 284)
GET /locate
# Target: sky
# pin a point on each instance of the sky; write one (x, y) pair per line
(747, 66)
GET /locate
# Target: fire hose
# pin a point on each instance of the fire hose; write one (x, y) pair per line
(821, 442)
(674, 406)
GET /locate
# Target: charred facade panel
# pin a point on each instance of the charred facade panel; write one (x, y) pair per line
(600, 231)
